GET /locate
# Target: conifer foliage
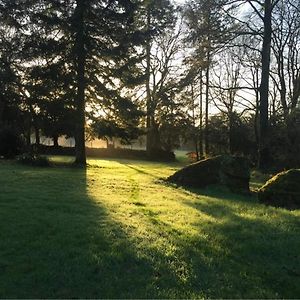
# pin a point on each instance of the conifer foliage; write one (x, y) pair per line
(78, 53)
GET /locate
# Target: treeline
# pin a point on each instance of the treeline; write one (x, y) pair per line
(222, 74)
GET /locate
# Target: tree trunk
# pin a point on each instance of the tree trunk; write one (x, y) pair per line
(282, 87)
(231, 133)
(55, 141)
(80, 99)
(149, 125)
(195, 132)
(296, 93)
(201, 118)
(28, 138)
(1, 110)
(206, 140)
(263, 159)
(155, 136)
(256, 115)
(27, 132)
(37, 135)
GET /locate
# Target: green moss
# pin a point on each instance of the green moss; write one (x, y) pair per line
(282, 190)
(232, 172)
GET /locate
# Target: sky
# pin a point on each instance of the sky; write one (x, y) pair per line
(180, 1)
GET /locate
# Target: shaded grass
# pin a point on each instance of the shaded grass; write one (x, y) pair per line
(116, 230)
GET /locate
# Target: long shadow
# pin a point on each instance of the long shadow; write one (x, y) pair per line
(56, 242)
(136, 165)
(143, 172)
(252, 253)
(243, 254)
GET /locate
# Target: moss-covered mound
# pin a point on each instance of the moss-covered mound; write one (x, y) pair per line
(230, 171)
(282, 190)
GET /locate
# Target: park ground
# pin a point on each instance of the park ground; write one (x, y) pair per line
(117, 230)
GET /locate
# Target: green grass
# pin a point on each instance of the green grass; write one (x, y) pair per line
(117, 230)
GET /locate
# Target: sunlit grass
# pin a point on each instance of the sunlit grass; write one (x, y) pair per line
(118, 230)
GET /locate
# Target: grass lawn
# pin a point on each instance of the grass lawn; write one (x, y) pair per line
(117, 230)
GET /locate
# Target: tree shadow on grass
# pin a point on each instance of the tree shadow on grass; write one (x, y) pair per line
(255, 249)
(143, 172)
(56, 242)
(242, 253)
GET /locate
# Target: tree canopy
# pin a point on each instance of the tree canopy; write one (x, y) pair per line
(174, 75)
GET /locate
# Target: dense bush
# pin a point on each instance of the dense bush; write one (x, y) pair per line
(282, 190)
(11, 143)
(33, 160)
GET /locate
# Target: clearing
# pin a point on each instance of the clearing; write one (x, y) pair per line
(117, 230)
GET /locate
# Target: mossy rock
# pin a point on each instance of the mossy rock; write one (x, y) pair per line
(282, 190)
(235, 173)
(230, 171)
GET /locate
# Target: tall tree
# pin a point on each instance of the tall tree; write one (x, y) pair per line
(105, 55)
(263, 10)
(266, 17)
(286, 49)
(208, 31)
(80, 65)
(158, 16)
(11, 43)
(96, 43)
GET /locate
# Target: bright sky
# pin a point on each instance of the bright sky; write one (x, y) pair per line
(180, 1)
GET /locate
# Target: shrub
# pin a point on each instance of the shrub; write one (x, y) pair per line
(33, 160)
(11, 143)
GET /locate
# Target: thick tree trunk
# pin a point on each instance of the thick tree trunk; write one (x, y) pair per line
(28, 138)
(80, 99)
(264, 153)
(154, 136)
(296, 93)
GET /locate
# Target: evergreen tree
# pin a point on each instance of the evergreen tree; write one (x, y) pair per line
(92, 46)
(10, 47)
